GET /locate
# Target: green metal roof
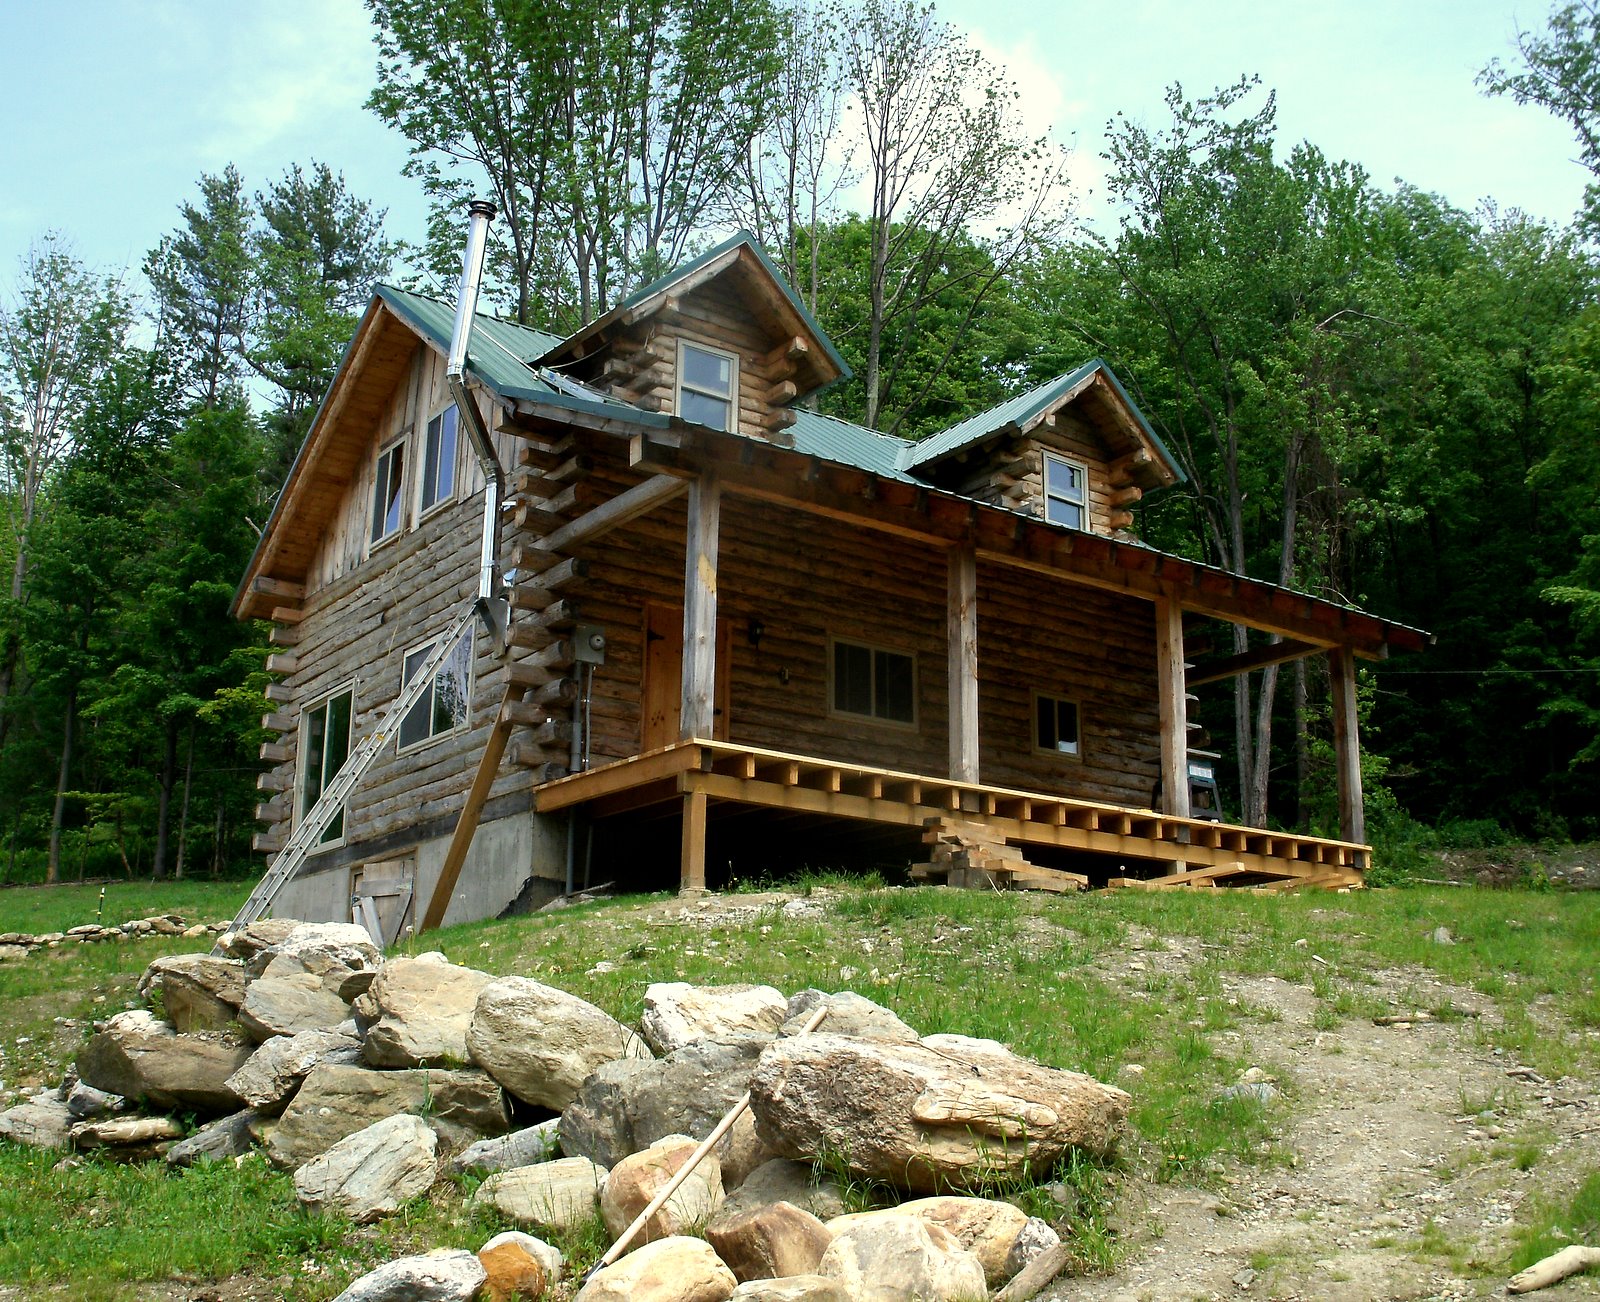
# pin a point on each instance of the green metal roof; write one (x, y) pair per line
(838, 440)
(1022, 409)
(501, 353)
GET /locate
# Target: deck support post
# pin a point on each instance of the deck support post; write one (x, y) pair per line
(1172, 701)
(692, 869)
(963, 673)
(697, 706)
(1347, 746)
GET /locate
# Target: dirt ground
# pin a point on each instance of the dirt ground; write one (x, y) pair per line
(1386, 1164)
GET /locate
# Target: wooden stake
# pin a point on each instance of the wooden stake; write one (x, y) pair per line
(697, 705)
(962, 637)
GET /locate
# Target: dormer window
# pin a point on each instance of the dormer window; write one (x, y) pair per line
(708, 385)
(387, 503)
(1066, 492)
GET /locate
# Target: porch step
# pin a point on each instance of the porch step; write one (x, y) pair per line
(969, 856)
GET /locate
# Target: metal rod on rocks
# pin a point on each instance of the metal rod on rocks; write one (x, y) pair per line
(687, 1169)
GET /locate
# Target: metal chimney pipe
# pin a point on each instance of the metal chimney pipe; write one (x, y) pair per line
(493, 607)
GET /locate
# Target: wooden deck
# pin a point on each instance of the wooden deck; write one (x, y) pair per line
(702, 773)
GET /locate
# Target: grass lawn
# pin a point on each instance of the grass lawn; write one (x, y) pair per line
(38, 909)
(1079, 982)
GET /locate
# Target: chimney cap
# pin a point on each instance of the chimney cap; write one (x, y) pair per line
(481, 208)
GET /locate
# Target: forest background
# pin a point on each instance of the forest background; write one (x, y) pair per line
(1378, 397)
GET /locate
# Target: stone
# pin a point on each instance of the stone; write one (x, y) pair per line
(793, 1288)
(145, 1060)
(547, 1255)
(135, 1137)
(848, 1014)
(274, 1071)
(287, 1005)
(444, 1275)
(926, 1120)
(679, 1269)
(986, 1228)
(369, 1174)
(562, 1195)
(526, 1147)
(198, 992)
(513, 1271)
(13, 953)
(637, 1179)
(782, 1180)
(335, 1101)
(1038, 1238)
(541, 1043)
(43, 1121)
(417, 1011)
(676, 1013)
(87, 1103)
(893, 1258)
(333, 949)
(260, 935)
(626, 1105)
(780, 1239)
(223, 1139)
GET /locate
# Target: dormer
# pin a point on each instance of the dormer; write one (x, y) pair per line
(1075, 451)
(723, 341)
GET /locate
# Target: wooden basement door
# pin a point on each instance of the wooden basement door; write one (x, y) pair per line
(662, 690)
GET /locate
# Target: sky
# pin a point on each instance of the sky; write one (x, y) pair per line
(110, 110)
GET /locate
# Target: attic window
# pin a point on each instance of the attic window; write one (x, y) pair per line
(388, 506)
(708, 385)
(1066, 491)
(439, 459)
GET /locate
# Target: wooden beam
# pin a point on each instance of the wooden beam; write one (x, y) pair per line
(1347, 746)
(962, 640)
(625, 506)
(1278, 653)
(697, 705)
(467, 823)
(692, 865)
(1173, 707)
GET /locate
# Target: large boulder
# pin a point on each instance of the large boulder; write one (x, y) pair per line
(525, 1147)
(897, 1258)
(417, 1011)
(224, 1138)
(444, 1275)
(562, 1195)
(848, 1014)
(274, 1072)
(199, 992)
(780, 1239)
(262, 934)
(677, 1013)
(679, 1269)
(927, 1120)
(327, 949)
(783, 1180)
(627, 1105)
(335, 1101)
(289, 1004)
(43, 1121)
(792, 1288)
(986, 1228)
(142, 1058)
(541, 1043)
(636, 1180)
(369, 1174)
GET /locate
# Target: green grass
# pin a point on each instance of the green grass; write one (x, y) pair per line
(1552, 1223)
(38, 909)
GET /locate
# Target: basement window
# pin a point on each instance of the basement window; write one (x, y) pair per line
(1066, 491)
(708, 385)
(388, 506)
(446, 705)
(324, 746)
(1055, 725)
(874, 683)
(439, 459)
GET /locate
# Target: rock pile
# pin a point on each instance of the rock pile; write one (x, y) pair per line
(369, 1079)
(19, 944)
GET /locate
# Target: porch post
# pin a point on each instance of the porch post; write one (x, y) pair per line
(1173, 706)
(962, 637)
(1347, 745)
(692, 865)
(697, 705)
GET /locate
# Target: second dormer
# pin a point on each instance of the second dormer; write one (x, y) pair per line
(722, 341)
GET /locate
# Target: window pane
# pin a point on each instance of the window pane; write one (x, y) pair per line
(852, 678)
(1063, 513)
(1063, 479)
(1045, 722)
(335, 750)
(1067, 727)
(386, 505)
(706, 370)
(316, 732)
(712, 412)
(896, 697)
(452, 688)
(414, 726)
(439, 459)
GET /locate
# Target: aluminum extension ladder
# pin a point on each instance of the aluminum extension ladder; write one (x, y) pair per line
(288, 860)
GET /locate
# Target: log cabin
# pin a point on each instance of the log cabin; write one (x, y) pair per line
(739, 633)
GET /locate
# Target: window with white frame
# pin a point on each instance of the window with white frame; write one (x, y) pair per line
(388, 492)
(874, 682)
(708, 385)
(324, 746)
(439, 459)
(1066, 491)
(446, 705)
(1055, 725)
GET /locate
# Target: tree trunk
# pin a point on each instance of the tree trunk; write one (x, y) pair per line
(183, 813)
(57, 813)
(169, 775)
(1302, 751)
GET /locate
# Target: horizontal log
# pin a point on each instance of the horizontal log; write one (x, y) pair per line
(523, 715)
(278, 722)
(289, 592)
(271, 813)
(268, 842)
(284, 635)
(557, 692)
(282, 662)
(785, 391)
(287, 615)
(527, 556)
(274, 780)
(276, 752)
(534, 441)
(1125, 496)
(278, 693)
(795, 349)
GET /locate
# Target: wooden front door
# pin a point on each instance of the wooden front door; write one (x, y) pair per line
(663, 676)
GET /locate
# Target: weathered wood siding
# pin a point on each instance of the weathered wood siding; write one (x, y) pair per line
(1011, 472)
